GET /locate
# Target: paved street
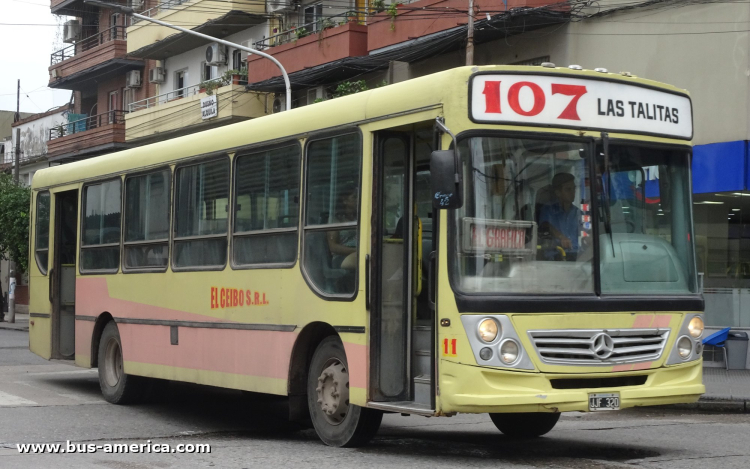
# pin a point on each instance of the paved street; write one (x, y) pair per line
(52, 402)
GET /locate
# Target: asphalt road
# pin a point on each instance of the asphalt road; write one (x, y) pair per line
(53, 402)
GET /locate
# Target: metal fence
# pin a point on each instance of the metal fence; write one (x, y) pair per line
(151, 12)
(301, 30)
(168, 96)
(107, 35)
(87, 123)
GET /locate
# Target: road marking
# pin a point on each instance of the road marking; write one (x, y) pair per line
(10, 400)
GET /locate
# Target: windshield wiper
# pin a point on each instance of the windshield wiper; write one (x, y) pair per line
(605, 193)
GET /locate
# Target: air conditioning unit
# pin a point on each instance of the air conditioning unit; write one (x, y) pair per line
(133, 79)
(318, 92)
(53, 73)
(135, 4)
(71, 31)
(279, 5)
(216, 54)
(279, 104)
(157, 75)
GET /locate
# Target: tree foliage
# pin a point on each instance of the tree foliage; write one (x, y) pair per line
(15, 201)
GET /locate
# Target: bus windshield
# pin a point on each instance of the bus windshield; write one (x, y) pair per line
(527, 225)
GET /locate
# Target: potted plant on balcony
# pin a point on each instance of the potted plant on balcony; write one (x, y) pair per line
(301, 32)
(377, 6)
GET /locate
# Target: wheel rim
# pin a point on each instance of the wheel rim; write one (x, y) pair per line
(333, 391)
(113, 363)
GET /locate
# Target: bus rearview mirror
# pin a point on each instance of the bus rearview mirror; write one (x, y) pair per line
(446, 181)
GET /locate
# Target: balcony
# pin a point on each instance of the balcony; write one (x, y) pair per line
(316, 45)
(91, 60)
(68, 7)
(217, 18)
(426, 17)
(178, 112)
(87, 137)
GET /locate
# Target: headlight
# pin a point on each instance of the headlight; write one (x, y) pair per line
(488, 330)
(509, 351)
(684, 347)
(696, 327)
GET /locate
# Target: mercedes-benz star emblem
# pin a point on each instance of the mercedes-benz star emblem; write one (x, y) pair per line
(602, 345)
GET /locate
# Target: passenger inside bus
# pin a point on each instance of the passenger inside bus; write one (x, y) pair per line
(562, 218)
(343, 243)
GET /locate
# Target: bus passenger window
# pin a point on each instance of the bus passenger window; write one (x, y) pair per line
(200, 220)
(100, 243)
(41, 247)
(147, 221)
(266, 207)
(331, 214)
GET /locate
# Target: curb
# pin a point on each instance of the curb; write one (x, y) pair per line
(717, 405)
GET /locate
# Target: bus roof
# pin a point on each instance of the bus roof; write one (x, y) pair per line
(433, 90)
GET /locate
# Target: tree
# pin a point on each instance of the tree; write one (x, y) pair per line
(15, 201)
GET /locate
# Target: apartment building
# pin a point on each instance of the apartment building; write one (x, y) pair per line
(95, 65)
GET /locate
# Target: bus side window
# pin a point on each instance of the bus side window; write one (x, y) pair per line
(266, 207)
(200, 215)
(147, 221)
(331, 231)
(100, 235)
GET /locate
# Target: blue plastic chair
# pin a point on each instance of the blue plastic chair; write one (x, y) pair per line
(719, 339)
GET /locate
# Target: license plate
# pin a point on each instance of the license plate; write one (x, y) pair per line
(599, 402)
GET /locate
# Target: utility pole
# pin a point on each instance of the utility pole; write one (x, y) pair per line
(11, 262)
(470, 36)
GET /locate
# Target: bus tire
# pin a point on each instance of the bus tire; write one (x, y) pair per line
(116, 386)
(337, 422)
(525, 425)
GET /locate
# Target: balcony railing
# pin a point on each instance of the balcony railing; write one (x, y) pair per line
(305, 29)
(111, 34)
(167, 5)
(169, 96)
(87, 123)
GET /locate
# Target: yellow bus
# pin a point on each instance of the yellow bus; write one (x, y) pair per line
(514, 241)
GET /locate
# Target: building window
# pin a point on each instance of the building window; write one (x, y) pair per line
(237, 62)
(147, 221)
(180, 82)
(266, 207)
(331, 214)
(201, 214)
(206, 71)
(100, 237)
(114, 23)
(127, 99)
(41, 247)
(112, 107)
(313, 14)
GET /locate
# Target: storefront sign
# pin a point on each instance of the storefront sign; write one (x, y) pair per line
(209, 107)
(580, 103)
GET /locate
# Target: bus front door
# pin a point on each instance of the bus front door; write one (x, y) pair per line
(62, 277)
(401, 353)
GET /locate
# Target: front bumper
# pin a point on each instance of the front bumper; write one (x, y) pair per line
(475, 389)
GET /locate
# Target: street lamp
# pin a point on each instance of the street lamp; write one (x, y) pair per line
(129, 11)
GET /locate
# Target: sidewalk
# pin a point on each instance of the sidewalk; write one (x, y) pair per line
(22, 319)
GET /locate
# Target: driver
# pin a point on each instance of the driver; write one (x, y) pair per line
(562, 218)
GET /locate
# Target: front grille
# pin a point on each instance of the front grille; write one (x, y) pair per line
(599, 346)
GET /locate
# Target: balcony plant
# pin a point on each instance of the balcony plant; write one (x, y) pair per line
(234, 77)
(301, 32)
(377, 6)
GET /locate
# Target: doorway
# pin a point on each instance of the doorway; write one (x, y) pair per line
(63, 275)
(402, 325)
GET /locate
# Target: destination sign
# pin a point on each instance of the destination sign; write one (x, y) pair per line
(581, 103)
(498, 236)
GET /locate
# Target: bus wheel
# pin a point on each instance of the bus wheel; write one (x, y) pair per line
(525, 425)
(336, 421)
(117, 387)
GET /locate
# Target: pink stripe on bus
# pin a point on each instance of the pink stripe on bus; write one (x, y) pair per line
(357, 358)
(625, 367)
(84, 329)
(643, 320)
(242, 352)
(662, 320)
(642, 366)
